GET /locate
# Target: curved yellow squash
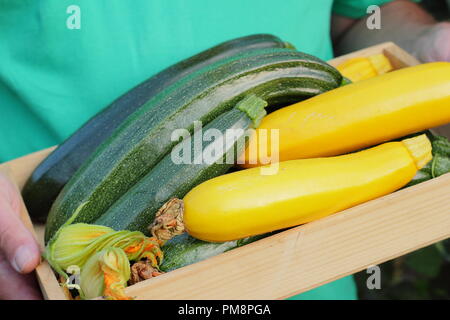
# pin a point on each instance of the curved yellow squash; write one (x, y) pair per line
(246, 203)
(358, 115)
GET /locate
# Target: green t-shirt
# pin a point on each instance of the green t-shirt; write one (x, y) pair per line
(53, 78)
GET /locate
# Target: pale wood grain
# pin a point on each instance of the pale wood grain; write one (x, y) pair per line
(301, 258)
(48, 283)
(398, 57)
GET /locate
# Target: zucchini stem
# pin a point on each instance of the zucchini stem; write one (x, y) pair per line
(253, 106)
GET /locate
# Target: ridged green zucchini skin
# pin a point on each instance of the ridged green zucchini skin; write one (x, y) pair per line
(136, 209)
(184, 250)
(52, 174)
(275, 75)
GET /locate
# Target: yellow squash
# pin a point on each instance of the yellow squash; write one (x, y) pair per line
(361, 68)
(246, 203)
(356, 116)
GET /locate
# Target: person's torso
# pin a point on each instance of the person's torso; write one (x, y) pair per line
(53, 78)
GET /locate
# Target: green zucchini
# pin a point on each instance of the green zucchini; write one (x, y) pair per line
(52, 174)
(274, 75)
(170, 178)
(184, 250)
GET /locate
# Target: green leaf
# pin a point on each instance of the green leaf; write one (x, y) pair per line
(441, 145)
(440, 165)
(426, 261)
(440, 246)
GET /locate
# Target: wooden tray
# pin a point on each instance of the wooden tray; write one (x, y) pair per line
(301, 258)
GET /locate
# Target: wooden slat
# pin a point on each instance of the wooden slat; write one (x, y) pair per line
(398, 57)
(47, 282)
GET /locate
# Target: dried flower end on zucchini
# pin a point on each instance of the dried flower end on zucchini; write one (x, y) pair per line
(168, 222)
(143, 270)
(105, 274)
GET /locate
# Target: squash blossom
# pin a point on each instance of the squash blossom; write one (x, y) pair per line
(74, 244)
(105, 274)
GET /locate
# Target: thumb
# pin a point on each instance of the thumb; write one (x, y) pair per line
(16, 242)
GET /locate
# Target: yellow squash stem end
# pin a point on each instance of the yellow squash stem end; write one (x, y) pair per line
(380, 63)
(420, 149)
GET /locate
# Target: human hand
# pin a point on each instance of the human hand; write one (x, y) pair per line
(434, 43)
(19, 252)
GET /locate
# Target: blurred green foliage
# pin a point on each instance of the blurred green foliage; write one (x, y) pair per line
(422, 274)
